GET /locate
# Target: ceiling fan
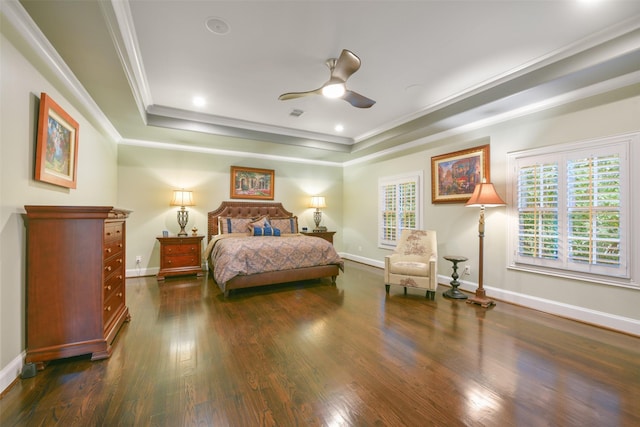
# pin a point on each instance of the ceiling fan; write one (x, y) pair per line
(336, 87)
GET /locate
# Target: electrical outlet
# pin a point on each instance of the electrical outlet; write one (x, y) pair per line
(467, 270)
(138, 259)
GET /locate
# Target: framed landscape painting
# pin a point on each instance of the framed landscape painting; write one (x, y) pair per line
(252, 183)
(56, 145)
(454, 175)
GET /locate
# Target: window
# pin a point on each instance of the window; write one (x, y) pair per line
(399, 207)
(569, 209)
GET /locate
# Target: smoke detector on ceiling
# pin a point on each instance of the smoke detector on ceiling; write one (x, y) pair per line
(217, 25)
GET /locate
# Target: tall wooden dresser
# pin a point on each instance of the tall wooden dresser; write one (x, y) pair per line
(75, 281)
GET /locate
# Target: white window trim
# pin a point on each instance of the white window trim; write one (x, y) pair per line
(629, 221)
(417, 176)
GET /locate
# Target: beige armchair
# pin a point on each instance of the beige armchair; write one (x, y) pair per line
(414, 262)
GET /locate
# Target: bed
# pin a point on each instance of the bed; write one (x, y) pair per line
(251, 268)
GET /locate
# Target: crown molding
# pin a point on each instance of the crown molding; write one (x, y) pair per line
(35, 39)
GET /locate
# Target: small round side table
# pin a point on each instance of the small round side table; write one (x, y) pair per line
(454, 292)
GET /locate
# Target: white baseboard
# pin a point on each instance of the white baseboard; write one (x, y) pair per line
(9, 373)
(153, 271)
(139, 272)
(573, 312)
(363, 260)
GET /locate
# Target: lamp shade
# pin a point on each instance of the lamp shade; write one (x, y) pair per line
(182, 198)
(317, 202)
(484, 195)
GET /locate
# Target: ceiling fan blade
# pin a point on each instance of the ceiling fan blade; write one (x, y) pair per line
(294, 95)
(357, 100)
(346, 65)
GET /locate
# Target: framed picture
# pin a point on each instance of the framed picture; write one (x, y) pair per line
(454, 175)
(56, 145)
(251, 183)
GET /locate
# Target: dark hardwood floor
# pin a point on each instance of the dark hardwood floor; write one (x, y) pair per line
(313, 354)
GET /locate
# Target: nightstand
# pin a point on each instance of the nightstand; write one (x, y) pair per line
(326, 235)
(180, 256)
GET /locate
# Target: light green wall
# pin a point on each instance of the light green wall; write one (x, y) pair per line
(457, 226)
(141, 179)
(147, 177)
(20, 87)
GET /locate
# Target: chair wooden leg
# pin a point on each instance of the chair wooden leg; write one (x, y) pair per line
(387, 287)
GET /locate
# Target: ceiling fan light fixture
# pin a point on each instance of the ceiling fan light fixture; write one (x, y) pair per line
(335, 90)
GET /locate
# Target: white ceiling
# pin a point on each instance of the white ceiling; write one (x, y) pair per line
(429, 65)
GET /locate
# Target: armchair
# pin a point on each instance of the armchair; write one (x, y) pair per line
(414, 262)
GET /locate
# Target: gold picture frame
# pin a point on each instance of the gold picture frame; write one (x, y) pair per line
(252, 183)
(56, 145)
(454, 175)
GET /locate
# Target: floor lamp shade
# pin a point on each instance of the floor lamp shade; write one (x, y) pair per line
(484, 195)
(182, 198)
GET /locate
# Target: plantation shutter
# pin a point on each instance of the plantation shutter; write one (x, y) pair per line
(399, 202)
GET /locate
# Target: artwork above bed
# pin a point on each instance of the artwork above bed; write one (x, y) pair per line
(240, 257)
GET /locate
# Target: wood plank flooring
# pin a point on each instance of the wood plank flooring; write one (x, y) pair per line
(313, 354)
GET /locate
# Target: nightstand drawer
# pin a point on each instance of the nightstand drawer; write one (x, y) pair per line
(178, 261)
(187, 249)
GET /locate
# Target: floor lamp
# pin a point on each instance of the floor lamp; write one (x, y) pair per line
(484, 195)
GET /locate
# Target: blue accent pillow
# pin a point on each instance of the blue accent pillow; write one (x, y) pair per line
(266, 231)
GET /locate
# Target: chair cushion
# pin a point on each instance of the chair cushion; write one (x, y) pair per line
(410, 265)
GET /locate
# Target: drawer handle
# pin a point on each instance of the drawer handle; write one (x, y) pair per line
(107, 308)
(108, 250)
(108, 233)
(120, 294)
(120, 260)
(120, 277)
(120, 245)
(108, 287)
(108, 268)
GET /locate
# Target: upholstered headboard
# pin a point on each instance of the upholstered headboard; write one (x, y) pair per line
(243, 210)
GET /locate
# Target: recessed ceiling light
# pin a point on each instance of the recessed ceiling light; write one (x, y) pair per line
(217, 25)
(199, 101)
(339, 128)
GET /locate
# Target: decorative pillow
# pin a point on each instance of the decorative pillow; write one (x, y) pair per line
(228, 225)
(286, 225)
(262, 227)
(257, 225)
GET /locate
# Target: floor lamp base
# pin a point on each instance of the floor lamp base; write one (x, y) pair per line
(481, 301)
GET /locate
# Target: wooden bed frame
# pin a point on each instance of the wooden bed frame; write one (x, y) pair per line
(253, 210)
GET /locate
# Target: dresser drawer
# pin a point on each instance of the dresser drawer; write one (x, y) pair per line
(112, 305)
(113, 265)
(112, 283)
(113, 231)
(112, 247)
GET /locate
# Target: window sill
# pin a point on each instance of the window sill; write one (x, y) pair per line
(573, 275)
